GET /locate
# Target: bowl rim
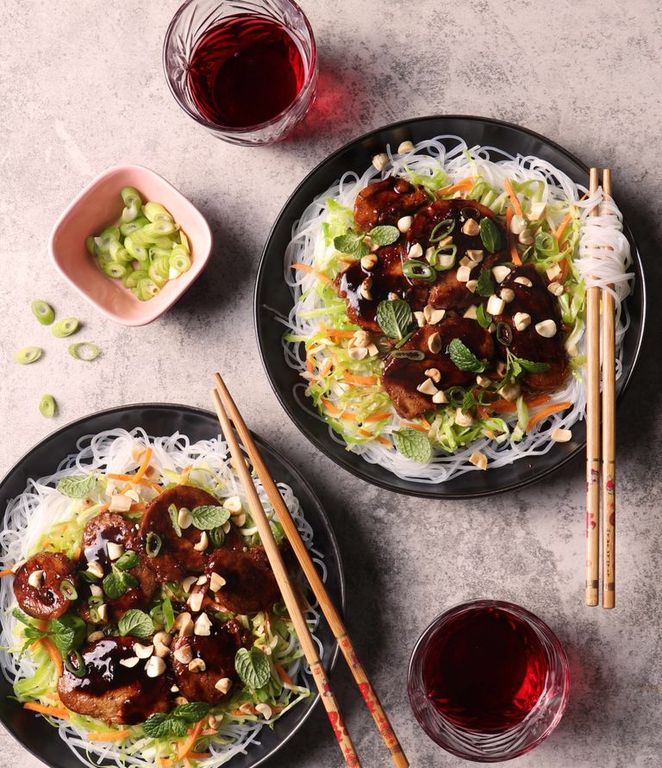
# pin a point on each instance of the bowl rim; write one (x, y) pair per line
(334, 547)
(149, 315)
(361, 470)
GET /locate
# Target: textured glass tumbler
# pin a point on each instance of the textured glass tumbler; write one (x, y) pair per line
(491, 747)
(195, 18)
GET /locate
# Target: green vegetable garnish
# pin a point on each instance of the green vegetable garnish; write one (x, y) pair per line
(419, 270)
(384, 235)
(175, 724)
(43, 311)
(485, 284)
(153, 544)
(413, 445)
(77, 486)
(65, 327)
(253, 667)
(464, 358)
(84, 350)
(47, 406)
(489, 234)
(394, 318)
(136, 623)
(205, 518)
(28, 355)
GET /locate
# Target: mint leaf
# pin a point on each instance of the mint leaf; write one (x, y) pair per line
(117, 582)
(384, 235)
(483, 317)
(394, 318)
(207, 517)
(413, 445)
(485, 284)
(68, 633)
(350, 242)
(464, 358)
(192, 712)
(136, 623)
(164, 726)
(531, 367)
(490, 235)
(253, 667)
(77, 486)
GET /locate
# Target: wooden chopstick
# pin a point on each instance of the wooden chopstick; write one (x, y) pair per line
(287, 590)
(317, 585)
(608, 521)
(592, 431)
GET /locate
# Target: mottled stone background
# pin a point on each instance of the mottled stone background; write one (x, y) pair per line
(82, 89)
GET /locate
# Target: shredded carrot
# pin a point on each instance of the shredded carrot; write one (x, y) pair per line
(326, 367)
(365, 381)
(199, 755)
(77, 553)
(285, 678)
(310, 363)
(187, 746)
(560, 230)
(143, 467)
(336, 333)
(107, 736)
(53, 652)
(104, 507)
(565, 268)
(34, 706)
(464, 185)
(331, 408)
(310, 270)
(545, 412)
(377, 417)
(138, 506)
(129, 479)
(514, 253)
(413, 425)
(6, 572)
(385, 442)
(513, 197)
(365, 432)
(501, 406)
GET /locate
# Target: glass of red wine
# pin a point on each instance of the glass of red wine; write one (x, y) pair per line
(488, 681)
(245, 69)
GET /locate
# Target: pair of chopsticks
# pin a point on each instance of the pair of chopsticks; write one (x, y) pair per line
(230, 420)
(600, 434)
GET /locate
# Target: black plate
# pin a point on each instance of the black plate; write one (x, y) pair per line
(272, 294)
(33, 732)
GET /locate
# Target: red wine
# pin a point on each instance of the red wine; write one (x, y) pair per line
(245, 70)
(485, 670)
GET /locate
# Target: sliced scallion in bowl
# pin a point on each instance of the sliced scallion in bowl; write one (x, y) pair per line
(146, 248)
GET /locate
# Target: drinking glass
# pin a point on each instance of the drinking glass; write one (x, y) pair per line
(487, 745)
(195, 18)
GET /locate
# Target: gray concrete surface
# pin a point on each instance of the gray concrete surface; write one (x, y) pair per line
(83, 89)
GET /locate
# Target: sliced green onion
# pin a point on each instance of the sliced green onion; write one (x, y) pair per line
(408, 354)
(91, 246)
(155, 211)
(128, 227)
(47, 406)
(159, 228)
(173, 513)
(147, 289)
(28, 355)
(65, 327)
(152, 544)
(184, 241)
(132, 279)
(419, 270)
(114, 269)
(131, 196)
(180, 262)
(442, 230)
(68, 589)
(217, 537)
(43, 311)
(84, 350)
(136, 250)
(73, 662)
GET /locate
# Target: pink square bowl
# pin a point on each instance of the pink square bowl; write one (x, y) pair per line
(98, 206)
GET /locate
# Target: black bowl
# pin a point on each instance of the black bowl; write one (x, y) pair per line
(272, 296)
(33, 732)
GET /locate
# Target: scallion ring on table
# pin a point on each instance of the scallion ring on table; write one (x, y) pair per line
(65, 327)
(47, 406)
(84, 350)
(43, 311)
(28, 355)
